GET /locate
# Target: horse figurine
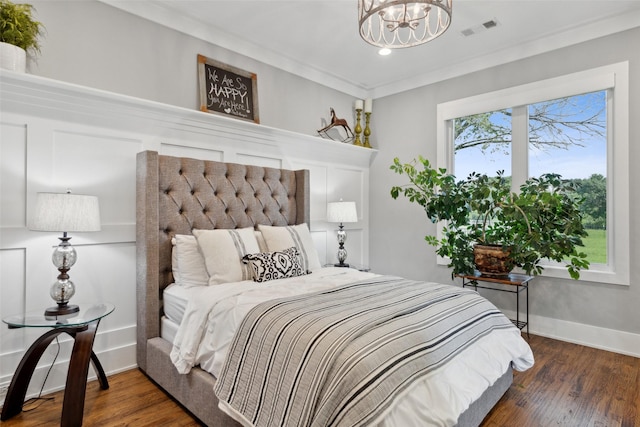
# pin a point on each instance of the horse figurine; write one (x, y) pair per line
(336, 122)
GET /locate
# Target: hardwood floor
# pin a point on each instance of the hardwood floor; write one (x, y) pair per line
(131, 400)
(570, 385)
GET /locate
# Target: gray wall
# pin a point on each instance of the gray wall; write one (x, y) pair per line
(398, 227)
(96, 45)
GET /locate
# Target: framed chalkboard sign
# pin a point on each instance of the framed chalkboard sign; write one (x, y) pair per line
(227, 90)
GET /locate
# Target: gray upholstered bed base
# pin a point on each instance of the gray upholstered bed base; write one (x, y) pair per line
(194, 390)
(479, 409)
(175, 195)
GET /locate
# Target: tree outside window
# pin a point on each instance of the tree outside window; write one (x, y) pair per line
(566, 135)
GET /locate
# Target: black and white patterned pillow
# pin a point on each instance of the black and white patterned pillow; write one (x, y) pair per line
(275, 265)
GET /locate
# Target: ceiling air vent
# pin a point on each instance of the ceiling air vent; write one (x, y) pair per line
(490, 24)
(468, 32)
(479, 28)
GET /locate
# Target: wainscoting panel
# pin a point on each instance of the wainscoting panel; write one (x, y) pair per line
(100, 165)
(13, 172)
(175, 149)
(349, 185)
(256, 160)
(320, 240)
(318, 174)
(12, 298)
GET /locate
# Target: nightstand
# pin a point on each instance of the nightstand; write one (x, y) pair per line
(358, 267)
(82, 327)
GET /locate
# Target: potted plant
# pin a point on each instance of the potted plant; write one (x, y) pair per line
(19, 33)
(542, 221)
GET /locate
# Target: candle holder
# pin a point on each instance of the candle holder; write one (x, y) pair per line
(358, 128)
(367, 130)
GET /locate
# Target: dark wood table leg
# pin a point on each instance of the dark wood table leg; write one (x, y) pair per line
(18, 388)
(73, 404)
(97, 366)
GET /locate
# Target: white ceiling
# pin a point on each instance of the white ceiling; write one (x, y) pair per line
(319, 39)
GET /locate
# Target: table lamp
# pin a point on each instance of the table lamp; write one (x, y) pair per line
(342, 212)
(64, 212)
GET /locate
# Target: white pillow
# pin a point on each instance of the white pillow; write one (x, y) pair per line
(261, 243)
(174, 261)
(281, 238)
(187, 262)
(223, 251)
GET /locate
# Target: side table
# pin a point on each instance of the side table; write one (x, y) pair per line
(82, 327)
(358, 267)
(515, 283)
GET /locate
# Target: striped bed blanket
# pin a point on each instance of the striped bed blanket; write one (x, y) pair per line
(341, 357)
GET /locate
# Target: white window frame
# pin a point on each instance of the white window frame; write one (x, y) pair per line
(614, 79)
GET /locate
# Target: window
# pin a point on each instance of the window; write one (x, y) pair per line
(567, 125)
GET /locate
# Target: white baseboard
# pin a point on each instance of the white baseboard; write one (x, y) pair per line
(591, 336)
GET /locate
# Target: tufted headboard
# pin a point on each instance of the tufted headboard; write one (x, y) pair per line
(175, 195)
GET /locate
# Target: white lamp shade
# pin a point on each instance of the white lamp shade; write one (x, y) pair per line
(65, 212)
(342, 212)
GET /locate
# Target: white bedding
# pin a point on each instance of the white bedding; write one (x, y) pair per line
(168, 329)
(174, 301)
(213, 313)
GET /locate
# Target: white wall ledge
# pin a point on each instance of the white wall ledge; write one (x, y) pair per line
(53, 99)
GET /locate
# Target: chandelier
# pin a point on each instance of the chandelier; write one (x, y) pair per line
(402, 23)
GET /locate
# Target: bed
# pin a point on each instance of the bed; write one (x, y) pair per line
(178, 195)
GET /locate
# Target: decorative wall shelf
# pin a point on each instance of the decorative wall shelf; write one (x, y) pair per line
(53, 99)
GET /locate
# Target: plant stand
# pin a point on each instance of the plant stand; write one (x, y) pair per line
(512, 283)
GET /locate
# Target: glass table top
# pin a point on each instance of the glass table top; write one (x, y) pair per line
(36, 319)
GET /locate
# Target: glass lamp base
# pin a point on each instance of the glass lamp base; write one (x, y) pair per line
(341, 264)
(61, 310)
